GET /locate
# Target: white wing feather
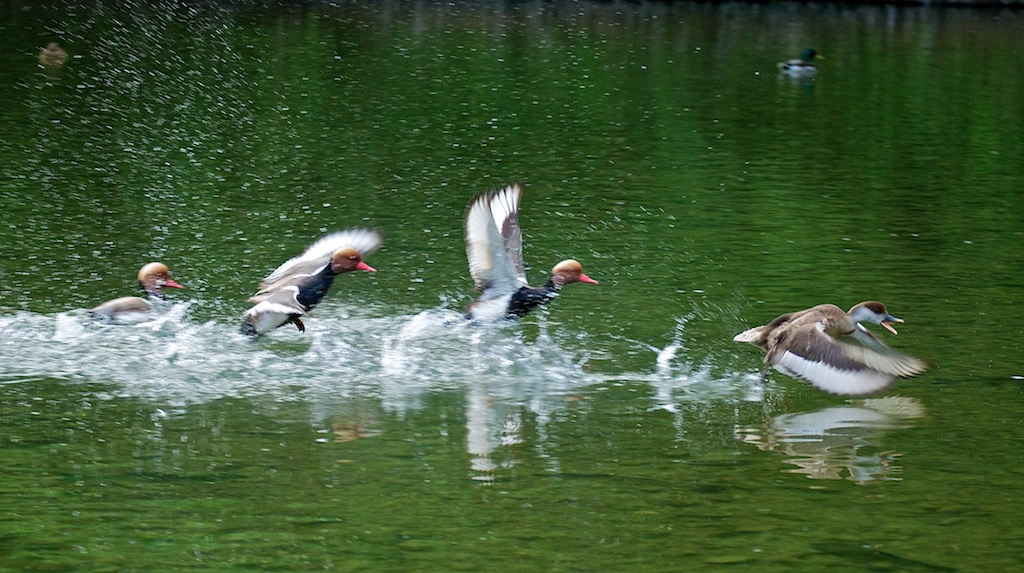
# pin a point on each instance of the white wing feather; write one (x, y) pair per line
(505, 212)
(490, 263)
(877, 355)
(363, 240)
(826, 377)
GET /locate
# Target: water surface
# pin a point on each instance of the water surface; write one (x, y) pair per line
(619, 429)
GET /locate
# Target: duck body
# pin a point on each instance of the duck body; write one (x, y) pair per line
(512, 305)
(528, 298)
(153, 278)
(52, 55)
(124, 310)
(830, 349)
(494, 247)
(800, 67)
(298, 285)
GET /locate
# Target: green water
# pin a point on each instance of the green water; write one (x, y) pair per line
(620, 429)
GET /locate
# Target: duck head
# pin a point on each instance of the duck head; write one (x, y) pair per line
(348, 259)
(154, 277)
(874, 312)
(569, 271)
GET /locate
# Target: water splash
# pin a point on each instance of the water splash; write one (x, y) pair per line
(396, 360)
(680, 378)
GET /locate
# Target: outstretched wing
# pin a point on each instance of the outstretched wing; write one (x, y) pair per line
(853, 365)
(505, 211)
(494, 241)
(865, 347)
(319, 253)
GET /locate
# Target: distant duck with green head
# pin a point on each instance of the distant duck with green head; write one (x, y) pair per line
(801, 67)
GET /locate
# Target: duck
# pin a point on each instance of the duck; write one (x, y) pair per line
(153, 278)
(832, 350)
(300, 283)
(800, 67)
(494, 247)
(53, 55)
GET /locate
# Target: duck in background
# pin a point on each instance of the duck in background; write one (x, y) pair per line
(802, 67)
(52, 55)
(153, 278)
(494, 247)
(299, 284)
(831, 350)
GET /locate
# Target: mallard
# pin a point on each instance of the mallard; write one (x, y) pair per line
(801, 67)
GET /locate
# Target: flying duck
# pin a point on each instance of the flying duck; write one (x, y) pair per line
(800, 67)
(831, 350)
(153, 277)
(299, 284)
(494, 246)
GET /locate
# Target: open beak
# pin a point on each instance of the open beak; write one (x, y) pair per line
(365, 267)
(886, 323)
(585, 279)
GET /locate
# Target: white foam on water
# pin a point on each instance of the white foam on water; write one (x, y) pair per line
(395, 359)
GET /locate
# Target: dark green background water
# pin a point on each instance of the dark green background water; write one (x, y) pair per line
(619, 430)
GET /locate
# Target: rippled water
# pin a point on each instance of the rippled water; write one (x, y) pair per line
(618, 429)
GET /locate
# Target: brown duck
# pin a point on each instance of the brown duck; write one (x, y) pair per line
(153, 278)
(831, 350)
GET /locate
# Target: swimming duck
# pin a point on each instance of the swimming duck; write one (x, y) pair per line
(831, 349)
(153, 278)
(802, 67)
(494, 246)
(52, 55)
(299, 284)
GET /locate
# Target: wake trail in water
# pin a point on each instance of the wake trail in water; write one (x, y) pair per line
(395, 359)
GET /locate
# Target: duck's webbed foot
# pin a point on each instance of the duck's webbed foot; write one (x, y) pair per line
(298, 324)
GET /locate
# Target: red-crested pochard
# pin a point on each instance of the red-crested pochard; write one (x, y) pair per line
(153, 278)
(299, 284)
(494, 246)
(831, 350)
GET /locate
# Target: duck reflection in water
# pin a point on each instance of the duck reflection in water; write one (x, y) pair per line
(490, 424)
(838, 442)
